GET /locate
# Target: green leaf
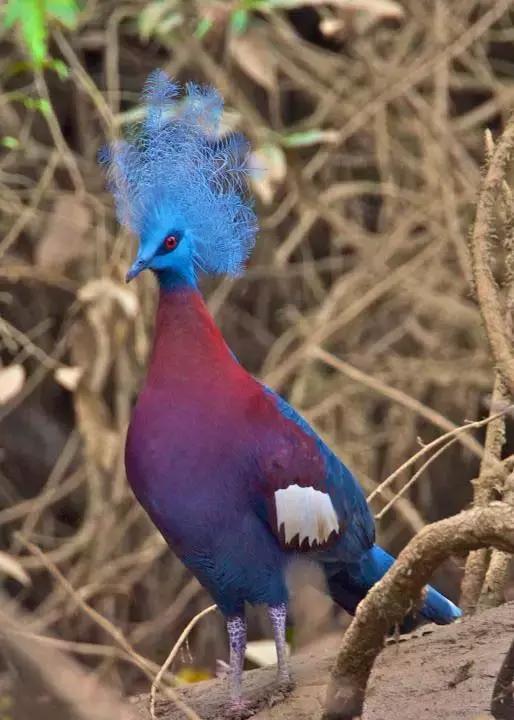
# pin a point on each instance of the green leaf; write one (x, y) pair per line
(40, 104)
(309, 137)
(43, 106)
(285, 4)
(159, 18)
(10, 142)
(255, 4)
(266, 5)
(29, 14)
(149, 18)
(203, 27)
(34, 30)
(60, 67)
(168, 24)
(11, 13)
(239, 20)
(33, 18)
(66, 11)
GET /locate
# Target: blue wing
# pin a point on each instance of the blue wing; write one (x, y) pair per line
(309, 471)
(303, 468)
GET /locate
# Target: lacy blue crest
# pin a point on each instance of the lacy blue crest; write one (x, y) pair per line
(176, 164)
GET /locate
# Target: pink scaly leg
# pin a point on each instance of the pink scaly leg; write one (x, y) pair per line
(278, 614)
(236, 627)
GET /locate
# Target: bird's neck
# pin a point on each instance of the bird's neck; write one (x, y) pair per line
(176, 279)
(188, 347)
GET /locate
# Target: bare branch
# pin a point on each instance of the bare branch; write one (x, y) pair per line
(400, 589)
(483, 492)
(493, 590)
(502, 702)
(483, 231)
(49, 671)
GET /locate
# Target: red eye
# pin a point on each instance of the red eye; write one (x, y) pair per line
(171, 242)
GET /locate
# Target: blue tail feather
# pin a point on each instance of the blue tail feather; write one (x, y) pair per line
(349, 583)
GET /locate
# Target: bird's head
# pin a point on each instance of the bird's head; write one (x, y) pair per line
(181, 187)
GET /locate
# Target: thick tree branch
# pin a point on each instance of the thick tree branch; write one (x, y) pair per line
(390, 599)
(493, 591)
(483, 493)
(502, 703)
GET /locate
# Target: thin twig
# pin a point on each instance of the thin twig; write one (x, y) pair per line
(97, 618)
(414, 478)
(483, 231)
(58, 137)
(430, 446)
(167, 663)
(398, 396)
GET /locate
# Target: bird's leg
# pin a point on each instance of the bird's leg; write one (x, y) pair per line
(236, 627)
(277, 615)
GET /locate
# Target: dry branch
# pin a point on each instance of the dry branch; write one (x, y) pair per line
(493, 589)
(399, 590)
(502, 703)
(360, 238)
(483, 583)
(68, 690)
(483, 232)
(401, 398)
(483, 493)
(446, 673)
(173, 653)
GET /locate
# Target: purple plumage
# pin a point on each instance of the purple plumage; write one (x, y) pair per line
(236, 481)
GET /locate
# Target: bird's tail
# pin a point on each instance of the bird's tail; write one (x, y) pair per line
(350, 582)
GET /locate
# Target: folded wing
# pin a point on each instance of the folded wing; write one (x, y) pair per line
(313, 502)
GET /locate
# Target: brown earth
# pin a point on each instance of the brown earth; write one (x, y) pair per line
(448, 673)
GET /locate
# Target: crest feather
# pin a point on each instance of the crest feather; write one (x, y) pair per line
(157, 94)
(176, 164)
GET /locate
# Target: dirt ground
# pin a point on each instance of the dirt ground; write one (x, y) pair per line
(448, 673)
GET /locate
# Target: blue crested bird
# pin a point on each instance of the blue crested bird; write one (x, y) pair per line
(234, 478)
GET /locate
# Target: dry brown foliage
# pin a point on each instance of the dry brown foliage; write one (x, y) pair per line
(489, 524)
(356, 305)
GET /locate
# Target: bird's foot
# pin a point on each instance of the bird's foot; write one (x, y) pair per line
(285, 683)
(238, 709)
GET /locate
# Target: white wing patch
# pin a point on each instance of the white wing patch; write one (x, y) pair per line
(305, 512)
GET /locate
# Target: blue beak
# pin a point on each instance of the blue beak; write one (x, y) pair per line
(138, 265)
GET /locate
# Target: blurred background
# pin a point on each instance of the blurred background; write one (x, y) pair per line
(367, 118)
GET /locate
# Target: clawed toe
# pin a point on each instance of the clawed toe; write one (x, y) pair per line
(238, 710)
